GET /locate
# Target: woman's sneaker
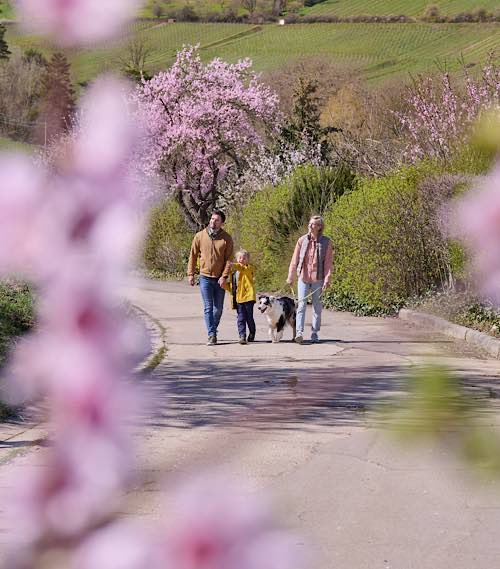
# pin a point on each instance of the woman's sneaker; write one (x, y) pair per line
(212, 341)
(314, 338)
(299, 339)
(243, 340)
(251, 338)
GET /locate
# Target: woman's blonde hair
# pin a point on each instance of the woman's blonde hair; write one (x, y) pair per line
(316, 219)
(242, 253)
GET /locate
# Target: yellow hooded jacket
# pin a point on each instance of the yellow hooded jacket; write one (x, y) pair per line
(245, 288)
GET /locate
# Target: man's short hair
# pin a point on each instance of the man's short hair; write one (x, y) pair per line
(220, 213)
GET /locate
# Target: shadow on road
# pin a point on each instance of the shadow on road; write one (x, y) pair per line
(198, 394)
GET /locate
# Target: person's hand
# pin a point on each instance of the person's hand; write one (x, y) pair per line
(191, 280)
(326, 284)
(222, 281)
(289, 280)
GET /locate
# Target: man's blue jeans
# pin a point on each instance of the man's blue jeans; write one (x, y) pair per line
(213, 300)
(305, 289)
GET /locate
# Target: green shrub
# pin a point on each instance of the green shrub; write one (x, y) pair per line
(168, 240)
(269, 225)
(16, 313)
(16, 318)
(388, 240)
(471, 160)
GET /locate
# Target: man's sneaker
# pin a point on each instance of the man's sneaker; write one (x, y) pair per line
(314, 338)
(212, 340)
(299, 339)
(243, 340)
(251, 338)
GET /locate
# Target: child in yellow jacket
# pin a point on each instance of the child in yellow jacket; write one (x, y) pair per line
(241, 286)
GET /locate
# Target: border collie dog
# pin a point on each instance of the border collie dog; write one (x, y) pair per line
(279, 311)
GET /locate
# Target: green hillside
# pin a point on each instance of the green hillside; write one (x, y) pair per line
(8, 144)
(342, 8)
(6, 12)
(379, 50)
(346, 8)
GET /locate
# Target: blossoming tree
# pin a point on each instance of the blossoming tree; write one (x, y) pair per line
(203, 122)
(438, 115)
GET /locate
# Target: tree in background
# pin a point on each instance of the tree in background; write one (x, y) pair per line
(303, 128)
(157, 10)
(438, 114)
(133, 63)
(249, 5)
(278, 7)
(58, 100)
(20, 86)
(4, 48)
(203, 122)
(32, 55)
(431, 13)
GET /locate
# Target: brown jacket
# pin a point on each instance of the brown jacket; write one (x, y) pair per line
(214, 254)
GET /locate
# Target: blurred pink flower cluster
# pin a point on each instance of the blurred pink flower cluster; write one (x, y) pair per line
(76, 22)
(478, 225)
(213, 524)
(71, 230)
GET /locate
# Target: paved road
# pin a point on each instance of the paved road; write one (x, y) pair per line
(304, 423)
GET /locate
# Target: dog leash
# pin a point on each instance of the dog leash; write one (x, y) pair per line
(305, 297)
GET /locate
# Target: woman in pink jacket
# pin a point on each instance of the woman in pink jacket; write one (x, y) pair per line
(312, 260)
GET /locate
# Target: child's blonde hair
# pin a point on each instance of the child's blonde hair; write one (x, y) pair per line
(243, 253)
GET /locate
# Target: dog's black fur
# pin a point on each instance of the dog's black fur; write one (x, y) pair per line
(279, 312)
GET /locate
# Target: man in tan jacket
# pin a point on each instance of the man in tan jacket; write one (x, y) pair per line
(214, 247)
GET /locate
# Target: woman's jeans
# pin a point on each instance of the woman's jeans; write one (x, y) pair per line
(213, 300)
(303, 290)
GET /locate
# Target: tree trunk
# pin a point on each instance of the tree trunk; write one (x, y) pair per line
(278, 7)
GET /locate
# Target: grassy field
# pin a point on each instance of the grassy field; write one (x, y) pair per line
(337, 7)
(6, 12)
(8, 144)
(408, 8)
(378, 50)
(202, 7)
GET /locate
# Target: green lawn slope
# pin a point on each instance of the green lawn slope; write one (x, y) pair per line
(377, 50)
(347, 8)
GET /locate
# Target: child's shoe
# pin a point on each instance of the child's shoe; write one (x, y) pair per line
(243, 340)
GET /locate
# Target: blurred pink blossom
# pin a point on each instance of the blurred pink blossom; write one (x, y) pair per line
(74, 22)
(120, 546)
(72, 229)
(22, 192)
(86, 207)
(107, 132)
(76, 488)
(216, 525)
(478, 225)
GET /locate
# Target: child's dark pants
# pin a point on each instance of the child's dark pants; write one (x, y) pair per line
(245, 318)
